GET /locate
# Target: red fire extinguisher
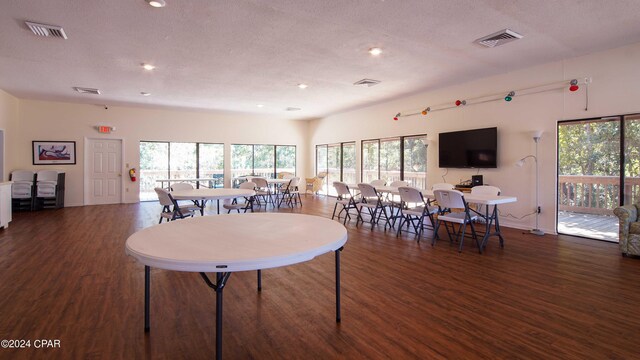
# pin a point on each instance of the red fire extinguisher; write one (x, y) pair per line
(132, 174)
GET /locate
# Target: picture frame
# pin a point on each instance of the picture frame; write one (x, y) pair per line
(54, 152)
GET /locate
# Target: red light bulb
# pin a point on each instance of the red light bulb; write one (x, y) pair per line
(574, 88)
(458, 102)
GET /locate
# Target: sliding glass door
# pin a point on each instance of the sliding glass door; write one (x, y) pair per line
(598, 170)
(172, 160)
(338, 161)
(398, 158)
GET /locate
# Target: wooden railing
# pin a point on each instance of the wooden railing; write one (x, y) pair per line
(595, 194)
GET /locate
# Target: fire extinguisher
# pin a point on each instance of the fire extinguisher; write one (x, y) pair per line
(132, 174)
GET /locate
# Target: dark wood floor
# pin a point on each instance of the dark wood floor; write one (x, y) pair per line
(65, 276)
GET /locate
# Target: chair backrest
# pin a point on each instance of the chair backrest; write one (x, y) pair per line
(410, 194)
(47, 175)
(341, 188)
(485, 190)
(247, 185)
(22, 175)
(378, 182)
(181, 186)
(294, 183)
(451, 199)
(442, 186)
(399, 183)
(163, 197)
(368, 191)
(260, 182)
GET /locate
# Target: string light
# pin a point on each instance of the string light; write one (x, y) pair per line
(496, 97)
(510, 96)
(574, 85)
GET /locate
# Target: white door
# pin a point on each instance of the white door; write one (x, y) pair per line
(105, 171)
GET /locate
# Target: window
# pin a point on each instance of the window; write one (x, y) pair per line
(285, 159)
(415, 161)
(154, 165)
(211, 163)
(399, 158)
(167, 160)
(338, 161)
(262, 160)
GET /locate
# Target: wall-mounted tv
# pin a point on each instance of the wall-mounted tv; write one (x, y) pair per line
(475, 148)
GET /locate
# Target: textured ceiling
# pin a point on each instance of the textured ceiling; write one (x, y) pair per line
(232, 55)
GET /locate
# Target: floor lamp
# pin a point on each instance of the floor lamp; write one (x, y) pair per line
(537, 135)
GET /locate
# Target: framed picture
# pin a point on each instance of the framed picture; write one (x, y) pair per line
(54, 152)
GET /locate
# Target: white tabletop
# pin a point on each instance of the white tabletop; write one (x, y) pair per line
(278, 181)
(469, 197)
(211, 194)
(236, 242)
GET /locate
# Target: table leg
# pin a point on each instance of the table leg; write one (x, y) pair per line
(497, 226)
(259, 280)
(338, 284)
(218, 206)
(492, 220)
(219, 316)
(221, 280)
(147, 278)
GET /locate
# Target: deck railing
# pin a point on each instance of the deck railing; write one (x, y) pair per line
(591, 194)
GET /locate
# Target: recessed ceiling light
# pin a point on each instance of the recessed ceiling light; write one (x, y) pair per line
(260, 105)
(148, 67)
(375, 51)
(143, 93)
(303, 86)
(156, 3)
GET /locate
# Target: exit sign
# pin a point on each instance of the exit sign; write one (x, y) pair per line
(105, 129)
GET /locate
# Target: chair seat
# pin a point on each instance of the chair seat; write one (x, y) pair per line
(360, 205)
(418, 211)
(184, 208)
(239, 206)
(345, 201)
(458, 217)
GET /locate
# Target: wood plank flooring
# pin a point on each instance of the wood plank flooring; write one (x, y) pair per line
(65, 276)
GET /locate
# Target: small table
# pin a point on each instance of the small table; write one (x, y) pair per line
(236, 242)
(491, 217)
(203, 195)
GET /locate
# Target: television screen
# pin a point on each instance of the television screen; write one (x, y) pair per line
(475, 148)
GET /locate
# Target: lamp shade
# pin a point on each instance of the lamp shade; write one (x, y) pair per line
(537, 134)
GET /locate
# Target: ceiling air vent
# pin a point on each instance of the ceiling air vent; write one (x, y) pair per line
(367, 82)
(293, 109)
(82, 90)
(499, 38)
(46, 30)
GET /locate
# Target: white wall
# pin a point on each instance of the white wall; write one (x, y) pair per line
(8, 121)
(42, 120)
(615, 90)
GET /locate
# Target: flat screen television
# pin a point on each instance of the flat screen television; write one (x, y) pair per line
(475, 148)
